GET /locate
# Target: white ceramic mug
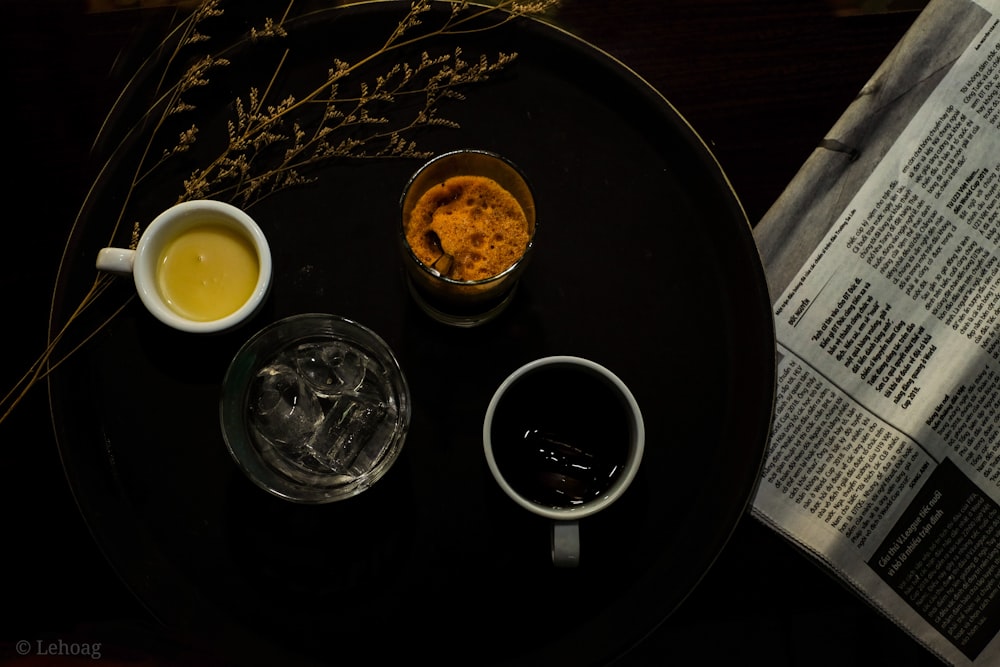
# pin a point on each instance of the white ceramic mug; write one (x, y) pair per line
(201, 266)
(567, 404)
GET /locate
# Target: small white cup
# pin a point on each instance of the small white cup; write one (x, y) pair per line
(571, 396)
(201, 266)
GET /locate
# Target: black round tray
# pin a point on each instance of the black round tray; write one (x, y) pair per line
(645, 263)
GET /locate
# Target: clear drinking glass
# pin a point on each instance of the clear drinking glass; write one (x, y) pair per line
(455, 301)
(315, 408)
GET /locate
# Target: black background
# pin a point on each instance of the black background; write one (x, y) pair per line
(760, 81)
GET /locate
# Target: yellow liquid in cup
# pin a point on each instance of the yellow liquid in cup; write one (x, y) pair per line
(207, 272)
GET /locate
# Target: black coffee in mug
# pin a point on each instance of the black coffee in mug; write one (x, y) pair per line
(560, 435)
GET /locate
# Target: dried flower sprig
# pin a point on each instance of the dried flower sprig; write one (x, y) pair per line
(257, 128)
(260, 126)
(346, 126)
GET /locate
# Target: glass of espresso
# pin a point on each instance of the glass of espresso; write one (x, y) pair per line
(563, 438)
(467, 231)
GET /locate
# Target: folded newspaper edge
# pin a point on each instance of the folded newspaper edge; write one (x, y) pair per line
(883, 264)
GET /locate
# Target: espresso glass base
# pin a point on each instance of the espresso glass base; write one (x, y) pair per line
(464, 317)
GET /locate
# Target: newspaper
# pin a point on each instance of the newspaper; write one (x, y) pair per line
(884, 266)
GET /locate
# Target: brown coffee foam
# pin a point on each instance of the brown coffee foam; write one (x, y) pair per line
(475, 221)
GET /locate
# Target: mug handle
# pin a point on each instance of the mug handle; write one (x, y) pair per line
(116, 260)
(565, 543)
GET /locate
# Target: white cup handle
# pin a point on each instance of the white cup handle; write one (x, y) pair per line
(116, 260)
(565, 543)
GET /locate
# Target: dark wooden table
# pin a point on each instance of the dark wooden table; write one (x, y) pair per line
(761, 80)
